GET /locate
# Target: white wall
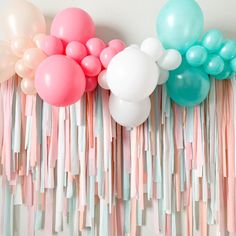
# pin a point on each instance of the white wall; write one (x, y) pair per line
(132, 21)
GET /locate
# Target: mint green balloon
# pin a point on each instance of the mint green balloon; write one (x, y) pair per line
(214, 64)
(188, 86)
(228, 50)
(196, 55)
(180, 24)
(225, 74)
(212, 40)
(233, 64)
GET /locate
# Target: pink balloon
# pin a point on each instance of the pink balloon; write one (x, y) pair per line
(91, 84)
(95, 46)
(118, 44)
(73, 24)
(52, 46)
(91, 66)
(106, 55)
(60, 81)
(76, 50)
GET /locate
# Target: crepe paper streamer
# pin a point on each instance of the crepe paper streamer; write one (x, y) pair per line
(75, 166)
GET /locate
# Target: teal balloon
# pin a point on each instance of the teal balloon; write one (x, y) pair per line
(196, 55)
(214, 64)
(188, 86)
(180, 24)
(212, 40)
(228, 50)
(233, 65)
(226, 73)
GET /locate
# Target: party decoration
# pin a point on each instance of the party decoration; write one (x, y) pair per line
(164, 75)
(196, 55)
(102, 79)
(27, 86)
(91, 84)
(170, 60)
(22, 70)
(95, 46)
(106, 55)
(212, 40)
(228, 50)
(76, 51)
(225, 74)
(51, 45)
(91, 66)
(214, 64)
(117, 44)
(233, 65)
(180, 24)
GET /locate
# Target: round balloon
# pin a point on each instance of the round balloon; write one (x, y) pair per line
(164, 75)
(196, 55)
(132, 75)
(73, 24)
(212, 40)
(188, 86)
(129, 114)
(225, 74)
(76, 50)
(180, 24)
(233, 65)
(27, 86)
(214, 64)
(228, 50)
(20, 44)
(102, 79)
(60, 81)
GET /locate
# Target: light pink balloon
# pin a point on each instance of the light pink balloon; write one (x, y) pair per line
(118, 44)
(95, 46)
(39, 39)
(27, 86)
(20, 44)
(60, 81)
(76, 50)
(33, 57)
(106, 55)
(91, 84)
(91, 66)
(52, 45)
(22, 70)
(73, 24)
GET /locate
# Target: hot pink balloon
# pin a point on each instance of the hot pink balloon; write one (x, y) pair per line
(91, 84)
(73, 24)
(76, 50)
(91, 66)
(95, 46)
(60, 81)
(118, 44)
(52, 46)
(106, 55)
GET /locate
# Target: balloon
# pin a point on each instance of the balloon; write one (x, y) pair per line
(7, 62)
(196, 55)
(153, 47)
(170, 60)
(91, 66)
(20, 44)
(22, 70)
(76, 51)
(106, 55)
(52, 46)
(233, 65)
(33, 57)
(214, 64)
(117, 44)
(27, 86)
(129, 114)
(102, 79)
(63, 25)
(188, 86)
(180, 24)
(60, 81)
(212, 40)
(39, 39)
(23, 19)
(91, 84)
(95, 46)
(132, 75)
(225, 74)
(228, 50)
(164, 75)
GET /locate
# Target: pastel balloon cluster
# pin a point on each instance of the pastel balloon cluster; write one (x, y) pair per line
(133, 75)
(76, 58)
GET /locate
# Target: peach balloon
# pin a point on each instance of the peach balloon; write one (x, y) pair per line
(20, 44)
(39, 39)
(28, 87)
(22, 70)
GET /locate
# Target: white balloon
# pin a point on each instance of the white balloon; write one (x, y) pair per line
(170, 60)
(136, 46)
(102, 79)
(132, 75)
(153, 47)
(129, 114)
(164, 75)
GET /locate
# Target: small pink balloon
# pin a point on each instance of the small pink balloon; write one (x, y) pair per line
(38, 40)
(52, 46)
(95, 46)
(76, 50)
(91, 66)
(20, 44)
(64, 28)
(91, 84)
(106, 55)
(118, 44)
(27, 86)
(60, 81)
(22, 70)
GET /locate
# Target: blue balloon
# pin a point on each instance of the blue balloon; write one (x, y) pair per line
(187, 85)
(196, 55)
(233, 64)
(226, 73)
(212, 40)
(228, 51)
(214, 64)
(180, 24)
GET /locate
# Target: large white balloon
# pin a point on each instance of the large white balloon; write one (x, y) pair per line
(132, 75)
(129, 114)
(153, 47)
(170, 60)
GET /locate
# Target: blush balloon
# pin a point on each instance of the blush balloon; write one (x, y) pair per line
(106, 55)
(22, 70)
(20, 44)
(76, 50)
(60, 81)
(91, 84)
(27, 86)
(95, 46)
(91, 66)
(52, 45)
(117, 44)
